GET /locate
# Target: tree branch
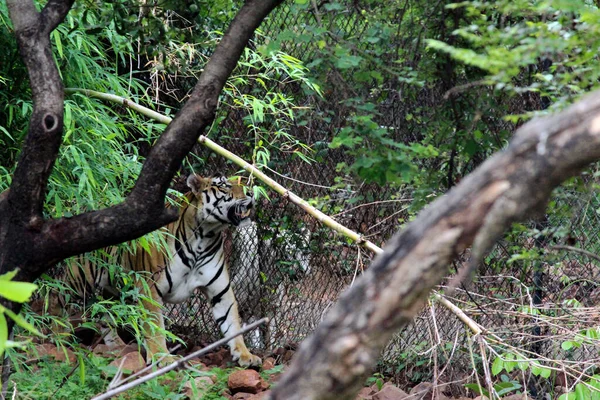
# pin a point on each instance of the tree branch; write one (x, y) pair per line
(54, 13)
(512, 185)
(40, 149)
(29, 242)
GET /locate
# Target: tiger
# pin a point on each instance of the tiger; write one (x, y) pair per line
(196, 261)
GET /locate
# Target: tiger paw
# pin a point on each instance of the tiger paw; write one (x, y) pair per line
(249, 360)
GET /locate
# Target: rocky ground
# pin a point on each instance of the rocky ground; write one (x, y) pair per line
(247, 384)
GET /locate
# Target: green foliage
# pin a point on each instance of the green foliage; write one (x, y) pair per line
(588, 389)
(507, 40)
(18, 292)
(49, 379)
(375, 379)
(502, 388)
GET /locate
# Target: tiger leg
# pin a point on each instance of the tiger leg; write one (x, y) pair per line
(225, 312)
(155, 339)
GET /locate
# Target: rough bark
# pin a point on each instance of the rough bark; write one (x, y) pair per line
(512, 185)
(32, 243)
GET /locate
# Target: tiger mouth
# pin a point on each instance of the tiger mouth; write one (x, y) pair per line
(244, 214)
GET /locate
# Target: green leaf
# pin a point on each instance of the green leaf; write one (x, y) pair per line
(582, 392)
(9, 275)
(3, 333)
(568, 396)
(477, 389)
(81, 370)
(546, 372)
(503, 388)
(22, 323)
(348, 61)
(497, 366)
(19, 292)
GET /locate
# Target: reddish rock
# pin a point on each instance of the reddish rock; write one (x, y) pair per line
(196, 363)
(248, 381)
(390, 392)
(268, 363)
(242, 396)
(365, 394)
(130, 348)
(132, 363)
(260, 396)
(217, 359)
(50, 350)
(105, 351)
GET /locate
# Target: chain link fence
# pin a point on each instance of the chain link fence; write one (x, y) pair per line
(537, 290)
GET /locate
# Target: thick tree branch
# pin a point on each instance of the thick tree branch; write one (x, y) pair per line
(54, 13)
(29, 242)
(512, 185)
(40, 149)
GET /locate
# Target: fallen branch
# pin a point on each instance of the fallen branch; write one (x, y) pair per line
(179, 363)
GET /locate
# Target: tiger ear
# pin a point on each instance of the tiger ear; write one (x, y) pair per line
(197, 183)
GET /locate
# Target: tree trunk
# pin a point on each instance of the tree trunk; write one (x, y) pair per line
(34, 244)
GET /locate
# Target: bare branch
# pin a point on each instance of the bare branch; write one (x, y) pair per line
(576, 250)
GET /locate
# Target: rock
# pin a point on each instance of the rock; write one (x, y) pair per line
(260, 396)
(50, 350)
(268, 363)
(390, 392)
(132, 363)
(218, 358)
(199, 365)
(201, 385)
(365, 394)
(105, 351)
(130, 348)
(248, 381)
(425, 391)
(242, 396)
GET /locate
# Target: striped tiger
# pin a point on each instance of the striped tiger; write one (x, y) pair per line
(197, 261)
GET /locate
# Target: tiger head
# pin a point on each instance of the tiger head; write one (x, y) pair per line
(220, 201)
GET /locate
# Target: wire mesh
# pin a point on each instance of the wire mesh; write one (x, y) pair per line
(289, 268)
